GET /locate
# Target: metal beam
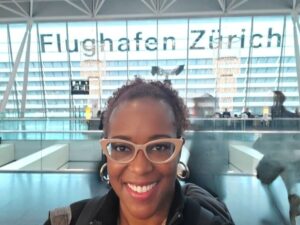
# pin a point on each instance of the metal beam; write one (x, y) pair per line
(294, 4)
(222, 5)
(18, 5)
(14, 14)
(12, 10)
(282, 51)
(69, 73)
(231, 4)
(11, 60)
(77, 7)
(31, 8)
(168, 6)
(26, 69)
(86, 7)
(236, 5)
(14, 71)
(149, 6)
(163, 3)
(99, 7)
(94, 5)
(41, 71)
(153, 2)
(249, 64)
(296, 29)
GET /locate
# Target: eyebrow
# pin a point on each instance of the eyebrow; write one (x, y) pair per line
(154, 137)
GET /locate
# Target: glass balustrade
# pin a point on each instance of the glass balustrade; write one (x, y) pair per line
(215, 146)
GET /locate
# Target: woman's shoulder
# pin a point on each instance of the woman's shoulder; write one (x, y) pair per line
(211, 208)
(69, 215)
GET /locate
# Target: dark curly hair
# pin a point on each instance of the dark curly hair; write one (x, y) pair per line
(140, 88)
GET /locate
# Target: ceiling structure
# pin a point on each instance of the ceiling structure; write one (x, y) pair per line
(69, 10)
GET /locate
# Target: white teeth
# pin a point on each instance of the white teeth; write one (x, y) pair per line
(141, 189)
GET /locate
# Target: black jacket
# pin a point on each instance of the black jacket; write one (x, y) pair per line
(191, 206)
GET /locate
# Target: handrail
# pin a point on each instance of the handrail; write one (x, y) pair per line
(187, 131)
(52, 131)
(189, 118)
(45, 119)
(242, 119)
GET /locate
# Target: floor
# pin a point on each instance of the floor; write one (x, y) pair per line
(27, 197)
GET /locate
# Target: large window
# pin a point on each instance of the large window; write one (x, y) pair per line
(237, 61)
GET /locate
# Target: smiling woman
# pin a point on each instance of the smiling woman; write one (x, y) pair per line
(143, 128)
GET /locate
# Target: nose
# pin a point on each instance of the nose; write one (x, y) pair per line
(140, 164)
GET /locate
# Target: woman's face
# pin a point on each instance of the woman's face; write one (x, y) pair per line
(144, 189)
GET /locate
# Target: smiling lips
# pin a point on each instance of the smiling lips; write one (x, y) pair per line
(141, 189)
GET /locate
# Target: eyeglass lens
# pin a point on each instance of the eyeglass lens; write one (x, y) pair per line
(156, 152)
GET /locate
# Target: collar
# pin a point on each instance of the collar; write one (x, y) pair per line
(108, 213)
(177, 205)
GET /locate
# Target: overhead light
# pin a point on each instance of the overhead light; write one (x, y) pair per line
(178, 70)
(156, 70)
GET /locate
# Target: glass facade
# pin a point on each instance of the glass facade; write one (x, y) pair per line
(53, 73)
(238, 61)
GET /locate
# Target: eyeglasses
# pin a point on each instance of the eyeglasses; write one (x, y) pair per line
(157, 151)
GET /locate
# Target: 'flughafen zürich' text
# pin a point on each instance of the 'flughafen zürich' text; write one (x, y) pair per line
(198, 40)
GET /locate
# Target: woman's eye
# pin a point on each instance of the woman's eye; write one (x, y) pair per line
(161, 147)
(120, 148)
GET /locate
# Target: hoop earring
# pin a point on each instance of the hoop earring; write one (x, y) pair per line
(183, 171)
(103, 173)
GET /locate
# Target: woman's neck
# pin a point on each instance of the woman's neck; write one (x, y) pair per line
(125, 222)
(130, 220)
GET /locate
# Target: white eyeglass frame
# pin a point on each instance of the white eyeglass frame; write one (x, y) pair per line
(178, 143)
